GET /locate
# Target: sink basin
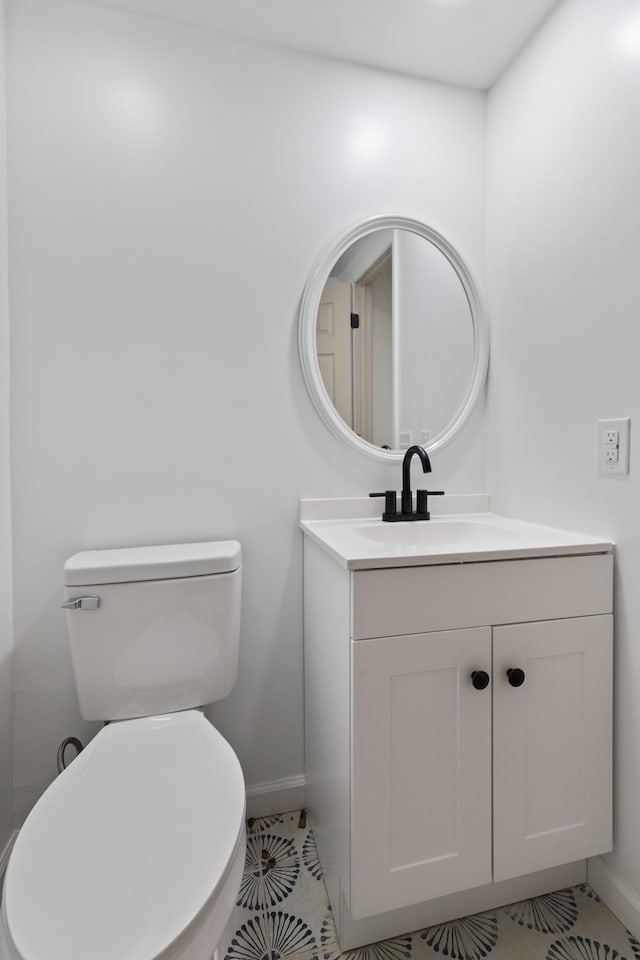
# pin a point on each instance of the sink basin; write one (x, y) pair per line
(349, 532)
(436, 532)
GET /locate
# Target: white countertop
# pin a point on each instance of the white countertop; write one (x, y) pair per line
(363, 541)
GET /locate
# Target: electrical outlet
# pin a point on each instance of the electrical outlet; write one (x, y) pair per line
(613, 446)
(405, 439)
(425, 437)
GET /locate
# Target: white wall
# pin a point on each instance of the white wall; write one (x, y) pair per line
(564, 287)
(6, 632)
(170, 190)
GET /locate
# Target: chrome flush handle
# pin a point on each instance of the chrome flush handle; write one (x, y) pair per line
(82, 603)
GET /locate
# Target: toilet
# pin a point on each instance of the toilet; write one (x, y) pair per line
(136, 851)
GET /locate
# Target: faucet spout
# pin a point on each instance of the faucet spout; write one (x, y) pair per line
(421, 453)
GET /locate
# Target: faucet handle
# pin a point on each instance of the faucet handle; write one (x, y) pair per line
(422, 507)
(390, 503)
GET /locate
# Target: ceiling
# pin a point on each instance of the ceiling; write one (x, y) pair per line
(464, 42)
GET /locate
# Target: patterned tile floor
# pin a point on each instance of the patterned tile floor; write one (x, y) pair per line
(283, 912)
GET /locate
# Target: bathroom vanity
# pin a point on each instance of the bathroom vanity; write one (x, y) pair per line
(458, 683)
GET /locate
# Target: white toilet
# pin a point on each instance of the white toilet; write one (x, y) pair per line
(136, 851)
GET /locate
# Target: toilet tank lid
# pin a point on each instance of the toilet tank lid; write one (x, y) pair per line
(164, 562)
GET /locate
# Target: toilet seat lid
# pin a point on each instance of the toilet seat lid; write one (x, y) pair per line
(128, 845)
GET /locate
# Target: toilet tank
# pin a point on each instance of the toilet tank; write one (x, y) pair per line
(164, 632)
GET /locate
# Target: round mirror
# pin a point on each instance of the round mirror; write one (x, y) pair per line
(393, 338)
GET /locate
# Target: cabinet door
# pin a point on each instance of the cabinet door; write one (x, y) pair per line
(552, 743)
(421, 768)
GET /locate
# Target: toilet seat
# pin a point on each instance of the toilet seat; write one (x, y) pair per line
(134, 852)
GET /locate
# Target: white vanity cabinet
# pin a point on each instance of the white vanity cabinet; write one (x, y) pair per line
(420, 768)
(551, 744)
(438, 765)
(422, 785)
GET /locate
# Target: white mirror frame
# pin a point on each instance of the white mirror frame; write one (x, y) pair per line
(307, 337)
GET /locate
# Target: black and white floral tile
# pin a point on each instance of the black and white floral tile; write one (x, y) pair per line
(282, 912)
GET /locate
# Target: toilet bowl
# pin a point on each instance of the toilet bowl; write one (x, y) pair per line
(136, 851)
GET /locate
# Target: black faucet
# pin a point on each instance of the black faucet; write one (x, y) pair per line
(390, 497)
(407, 496)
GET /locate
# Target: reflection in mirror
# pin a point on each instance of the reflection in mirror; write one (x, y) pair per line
(395, 338)
(394, 342)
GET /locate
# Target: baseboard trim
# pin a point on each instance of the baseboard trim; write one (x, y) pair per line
(621, 899)
(5, 854)
(276, 796)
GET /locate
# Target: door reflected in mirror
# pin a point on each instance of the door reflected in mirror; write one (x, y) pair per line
(395, 338)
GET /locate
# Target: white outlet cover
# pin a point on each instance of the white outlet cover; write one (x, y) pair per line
(607, 468)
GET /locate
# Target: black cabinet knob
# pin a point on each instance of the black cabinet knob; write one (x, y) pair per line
(515, 676)
(480, 679)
